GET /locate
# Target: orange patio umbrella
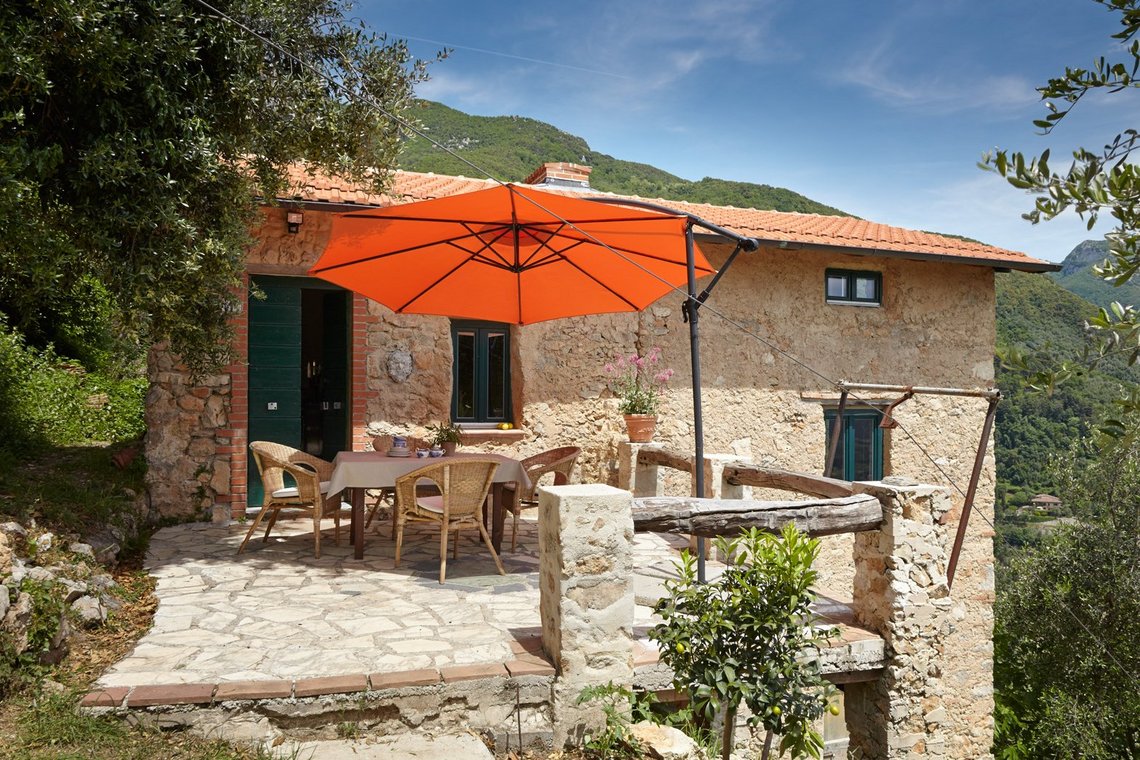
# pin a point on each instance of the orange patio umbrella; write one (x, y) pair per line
(509, 254)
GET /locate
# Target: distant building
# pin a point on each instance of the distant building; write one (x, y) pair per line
(1043, 502)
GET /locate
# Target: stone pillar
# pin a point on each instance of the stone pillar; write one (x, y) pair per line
(900, 592)
(716, 487)
(586, 598)
(640, 480)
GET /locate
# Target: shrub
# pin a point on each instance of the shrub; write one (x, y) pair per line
(741, 639)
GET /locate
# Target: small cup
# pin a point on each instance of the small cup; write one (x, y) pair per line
(422, 453)
(436, 453)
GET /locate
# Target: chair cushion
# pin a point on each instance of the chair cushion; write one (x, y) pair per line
(431, 504)
(292, 493)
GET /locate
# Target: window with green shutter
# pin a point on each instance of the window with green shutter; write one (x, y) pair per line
(853, 287)
(481, 372)
(859, 455)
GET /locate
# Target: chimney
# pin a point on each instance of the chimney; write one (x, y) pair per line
(561, 174)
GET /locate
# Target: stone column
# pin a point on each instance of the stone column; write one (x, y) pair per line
(640, 480)
(586, 598)
(900, 592)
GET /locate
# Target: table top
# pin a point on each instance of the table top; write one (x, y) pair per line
(373, 469)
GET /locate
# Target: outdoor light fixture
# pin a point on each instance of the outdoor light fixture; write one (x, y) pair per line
(294, 219)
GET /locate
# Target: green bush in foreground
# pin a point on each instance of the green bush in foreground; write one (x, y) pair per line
(740, 638)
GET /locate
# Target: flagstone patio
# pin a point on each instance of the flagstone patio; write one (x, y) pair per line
(276, 612)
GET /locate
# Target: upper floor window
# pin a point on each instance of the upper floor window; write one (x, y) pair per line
(852, 286)
(481, 372)
(859, 455)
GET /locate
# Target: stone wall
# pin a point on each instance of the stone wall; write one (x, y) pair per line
(901, 592)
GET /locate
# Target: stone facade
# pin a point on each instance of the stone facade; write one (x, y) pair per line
(935, 327)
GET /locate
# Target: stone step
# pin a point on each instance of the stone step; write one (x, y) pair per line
(410, 746)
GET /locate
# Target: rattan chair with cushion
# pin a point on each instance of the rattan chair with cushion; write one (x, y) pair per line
(382, 443)
(463, 485)
(558, 461)
(310, 475)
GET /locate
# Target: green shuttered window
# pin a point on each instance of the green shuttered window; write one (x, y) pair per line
(481, 372)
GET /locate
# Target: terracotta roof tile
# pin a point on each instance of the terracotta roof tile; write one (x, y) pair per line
(773, 228)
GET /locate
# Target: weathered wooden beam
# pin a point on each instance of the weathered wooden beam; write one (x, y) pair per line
(727, 517)
(663, 457)
(784, 480)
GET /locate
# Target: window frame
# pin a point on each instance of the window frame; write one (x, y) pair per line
(482, 378)
(847, 447)
(850, 276)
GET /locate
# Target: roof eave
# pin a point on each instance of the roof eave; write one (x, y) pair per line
(1028, 265)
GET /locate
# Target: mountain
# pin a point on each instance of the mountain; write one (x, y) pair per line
(511, 147)
(1077, 276)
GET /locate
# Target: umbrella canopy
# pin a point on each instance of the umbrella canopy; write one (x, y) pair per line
(509, 254)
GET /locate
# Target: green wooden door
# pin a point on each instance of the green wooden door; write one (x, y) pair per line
(298, 368)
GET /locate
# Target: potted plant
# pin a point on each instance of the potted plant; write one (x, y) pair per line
(639, 384)
(445, 435)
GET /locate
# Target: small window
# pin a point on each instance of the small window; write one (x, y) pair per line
(481, 372)
(859, 455)
(847, 286)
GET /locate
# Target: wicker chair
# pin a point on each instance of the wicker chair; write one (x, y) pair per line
(559, 461)
(383, 443)
(311, 475)
(463, 486)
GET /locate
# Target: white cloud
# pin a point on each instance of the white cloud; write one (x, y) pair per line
(903, 84)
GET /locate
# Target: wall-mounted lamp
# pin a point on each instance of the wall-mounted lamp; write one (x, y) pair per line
(294, 219)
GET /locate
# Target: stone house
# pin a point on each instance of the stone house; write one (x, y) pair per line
(322, 368)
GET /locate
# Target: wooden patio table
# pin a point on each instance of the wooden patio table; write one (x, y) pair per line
(356, 471)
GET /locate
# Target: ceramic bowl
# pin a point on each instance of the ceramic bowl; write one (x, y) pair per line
(436, 453)
(422, 453)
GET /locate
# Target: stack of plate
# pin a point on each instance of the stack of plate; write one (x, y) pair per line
(404, 452)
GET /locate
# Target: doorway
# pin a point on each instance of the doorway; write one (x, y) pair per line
(298, 368)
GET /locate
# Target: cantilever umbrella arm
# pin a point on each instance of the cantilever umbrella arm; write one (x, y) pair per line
(690, 310)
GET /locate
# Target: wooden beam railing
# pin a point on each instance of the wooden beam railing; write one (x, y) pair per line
(659, 456)
(725, 517)
(744, 474)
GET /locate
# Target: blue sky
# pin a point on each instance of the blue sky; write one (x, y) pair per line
(881, 108)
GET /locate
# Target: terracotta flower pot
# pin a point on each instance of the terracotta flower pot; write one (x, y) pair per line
(449, 447)
(640, 427)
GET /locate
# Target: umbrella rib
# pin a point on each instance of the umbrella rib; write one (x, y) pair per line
(437, 281)
(410, 249)
(600, 284)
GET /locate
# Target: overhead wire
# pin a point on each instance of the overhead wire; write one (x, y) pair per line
(411, 127)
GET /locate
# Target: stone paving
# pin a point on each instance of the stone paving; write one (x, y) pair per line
(276, 612)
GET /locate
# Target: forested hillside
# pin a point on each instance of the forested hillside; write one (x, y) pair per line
(1036, 314)
(511, 147)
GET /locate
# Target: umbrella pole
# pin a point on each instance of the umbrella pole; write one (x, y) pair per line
(691, 312)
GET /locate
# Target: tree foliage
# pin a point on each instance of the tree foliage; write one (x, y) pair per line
(1066, 658)
(135, 136)
(1096, 183)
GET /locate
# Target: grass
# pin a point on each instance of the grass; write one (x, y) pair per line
(73, 491)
